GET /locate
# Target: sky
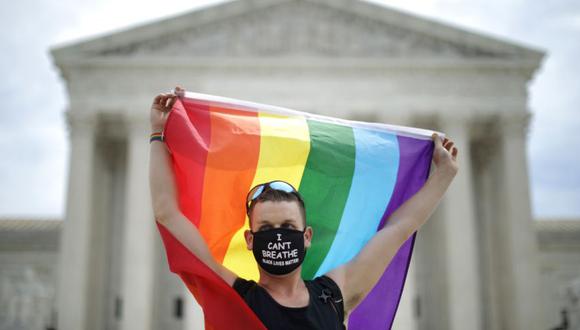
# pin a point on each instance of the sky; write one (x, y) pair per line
(34, 148)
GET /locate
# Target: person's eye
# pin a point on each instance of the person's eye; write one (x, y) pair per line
(288, 225)
(265, 227)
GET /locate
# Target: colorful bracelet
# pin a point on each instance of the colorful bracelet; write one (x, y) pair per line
(158, 136)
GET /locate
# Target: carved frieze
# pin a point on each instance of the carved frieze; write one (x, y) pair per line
(299, 28)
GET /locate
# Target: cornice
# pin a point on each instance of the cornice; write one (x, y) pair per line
(123, 63)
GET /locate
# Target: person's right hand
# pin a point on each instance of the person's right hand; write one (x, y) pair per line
(160, 108)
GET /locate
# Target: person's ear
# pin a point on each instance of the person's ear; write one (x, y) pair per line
(249, 239)
(308, 237)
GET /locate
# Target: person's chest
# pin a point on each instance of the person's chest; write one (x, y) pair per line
(300, 299)
(274, 315)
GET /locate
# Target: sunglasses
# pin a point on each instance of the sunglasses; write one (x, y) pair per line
(272, 185)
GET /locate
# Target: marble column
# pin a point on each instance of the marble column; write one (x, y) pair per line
(138, 255)
(486, 180)
(73, 284)
(519, 271)
(459, 222)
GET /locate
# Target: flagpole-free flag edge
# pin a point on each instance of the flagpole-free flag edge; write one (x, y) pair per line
(208, 99)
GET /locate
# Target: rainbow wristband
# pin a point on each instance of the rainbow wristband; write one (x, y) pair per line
(158, 136)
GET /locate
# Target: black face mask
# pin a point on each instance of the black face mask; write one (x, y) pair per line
(279, 251)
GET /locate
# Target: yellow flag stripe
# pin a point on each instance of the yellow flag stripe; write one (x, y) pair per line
(284, 148)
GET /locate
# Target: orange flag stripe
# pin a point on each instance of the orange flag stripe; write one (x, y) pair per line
(230, 170)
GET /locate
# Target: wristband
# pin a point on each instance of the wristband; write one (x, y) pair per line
(157, 136)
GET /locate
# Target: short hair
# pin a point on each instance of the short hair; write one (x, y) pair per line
(272, 195)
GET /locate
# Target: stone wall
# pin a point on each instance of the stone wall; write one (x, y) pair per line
(28, 273)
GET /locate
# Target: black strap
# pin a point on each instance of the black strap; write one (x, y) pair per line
(329, 293)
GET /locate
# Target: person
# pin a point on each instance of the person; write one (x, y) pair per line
(279, 235)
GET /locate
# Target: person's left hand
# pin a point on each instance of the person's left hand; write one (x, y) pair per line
(445, 154)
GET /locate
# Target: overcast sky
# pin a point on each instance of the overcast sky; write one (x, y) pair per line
(34, 147)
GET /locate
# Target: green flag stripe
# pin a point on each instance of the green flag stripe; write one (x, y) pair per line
(325, 186)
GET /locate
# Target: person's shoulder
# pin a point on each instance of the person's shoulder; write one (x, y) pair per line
(325, 282)
(242, 286)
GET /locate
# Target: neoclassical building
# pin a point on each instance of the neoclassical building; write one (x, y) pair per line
(476, 263)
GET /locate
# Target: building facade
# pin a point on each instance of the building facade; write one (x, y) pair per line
(476, 262)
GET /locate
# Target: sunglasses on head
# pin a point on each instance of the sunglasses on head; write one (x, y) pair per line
(272, 185)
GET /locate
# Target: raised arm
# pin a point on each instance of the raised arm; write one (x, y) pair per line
(357, 277)
(164, 196)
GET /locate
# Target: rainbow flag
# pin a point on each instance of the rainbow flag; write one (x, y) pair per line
(352, 176)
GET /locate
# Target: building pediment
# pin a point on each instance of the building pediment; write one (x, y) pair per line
(290, 28)
(297, 28)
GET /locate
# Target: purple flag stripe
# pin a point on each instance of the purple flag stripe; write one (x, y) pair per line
(378, 309)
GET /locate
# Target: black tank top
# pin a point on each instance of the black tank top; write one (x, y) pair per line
(324, 311)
